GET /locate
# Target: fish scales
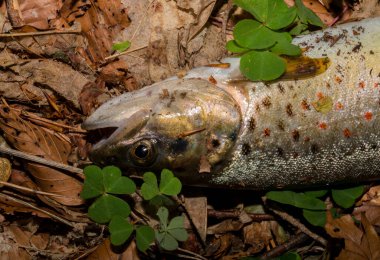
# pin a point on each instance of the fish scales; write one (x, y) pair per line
(289, 133)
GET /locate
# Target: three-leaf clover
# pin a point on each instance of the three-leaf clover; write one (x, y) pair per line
(169, 185)
(170, 233)
(101, 184)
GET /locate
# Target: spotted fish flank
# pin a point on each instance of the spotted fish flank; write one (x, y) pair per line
(321, 128)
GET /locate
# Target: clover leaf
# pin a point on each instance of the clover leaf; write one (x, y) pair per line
(169, 185)
(168, 235)
(120, 230)
(107, 206)
(144, 237)
(347, 197)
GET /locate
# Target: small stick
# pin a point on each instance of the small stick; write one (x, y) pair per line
(285, 247)
(236, 213)
(191, 253)
(18, 187)
(6, 35)
(7, 197)
(299, 225)
(43, 161)
(125, 52)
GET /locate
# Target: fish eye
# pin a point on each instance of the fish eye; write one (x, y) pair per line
(143, 153)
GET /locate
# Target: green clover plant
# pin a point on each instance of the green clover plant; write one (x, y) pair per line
(262, 42)
(313, 208)
(104, 184)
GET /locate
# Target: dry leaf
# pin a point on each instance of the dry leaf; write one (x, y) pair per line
(197, 209)
(37, 74)
(5, 169)
(225, 226)
(320, 10)
(104, 251)
(40, 141)
(257, 235)
(359, 244)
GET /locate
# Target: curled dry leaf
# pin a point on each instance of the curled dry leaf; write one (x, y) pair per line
(104, 251)
(39, 141)
(319, 9)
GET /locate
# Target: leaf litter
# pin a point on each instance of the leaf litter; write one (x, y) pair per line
(70, 70)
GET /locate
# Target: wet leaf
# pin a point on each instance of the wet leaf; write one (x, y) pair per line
(299, 200)
(176, 228)
(316, 193)
(316, 218)
(347, 197)
(92, 187)
(323, 105)
(273, 13)
(163, 215)
(284, 45)
(115, 183)
(169, 185)
(232, 46)
(120, 230)
(306, 15)
(254, 65)
(149, 189)
(253, 35)
(106, 207)
(166, 241)
(144, 237)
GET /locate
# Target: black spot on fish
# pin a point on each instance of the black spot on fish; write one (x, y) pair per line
(258, 108)
(295, 155)
(357, 47)
(183, 94)
(179, 145)
(314, 148)
(374, 146)
(289, 109)
(296, 135)
(280, 152)
(281, 125)
(246, 149)
(371, 52)
(233, 136)
(281, 88)
(267, 102)
(252, 124)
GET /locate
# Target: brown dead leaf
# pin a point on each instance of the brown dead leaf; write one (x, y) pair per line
(37, 74)
(5, 169)
(319, 9)
(219, 246)
(104, 251)
(225, 226)
(372, 196)
(197, 209)
(359, 244)
(100, 21)
(372, 213)
(361, 10)
(32, 13)
(257, 235)
(36, 140)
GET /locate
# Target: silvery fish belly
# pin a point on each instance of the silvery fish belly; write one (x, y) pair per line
(213, 128)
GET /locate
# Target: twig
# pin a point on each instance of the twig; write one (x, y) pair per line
(18, 187)
(285, 247)
(236, 213)
(43, 161)
(7, 197)
(125, 52)
(5, 35)
(300, 226)
(191, 253)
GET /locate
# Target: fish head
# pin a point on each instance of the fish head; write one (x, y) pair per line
(176, 124)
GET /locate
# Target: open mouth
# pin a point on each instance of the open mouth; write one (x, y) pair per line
(99, 135)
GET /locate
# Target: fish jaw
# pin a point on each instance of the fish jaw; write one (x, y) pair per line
(181, 121)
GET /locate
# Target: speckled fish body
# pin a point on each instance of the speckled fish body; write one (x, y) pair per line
(289, 133)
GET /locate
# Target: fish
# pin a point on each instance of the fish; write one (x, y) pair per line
(214, 128)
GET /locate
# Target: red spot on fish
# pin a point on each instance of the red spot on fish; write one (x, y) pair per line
(339, 106)
(361, 84)
(347, 133)
(266, 132)
(305, 105)
(322, 125)
(368, 116)
(212, 80)
(376, 84)
(320, 95)
(338, 79)
(306, 139)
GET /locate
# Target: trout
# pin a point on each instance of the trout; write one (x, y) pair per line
(318, 125)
